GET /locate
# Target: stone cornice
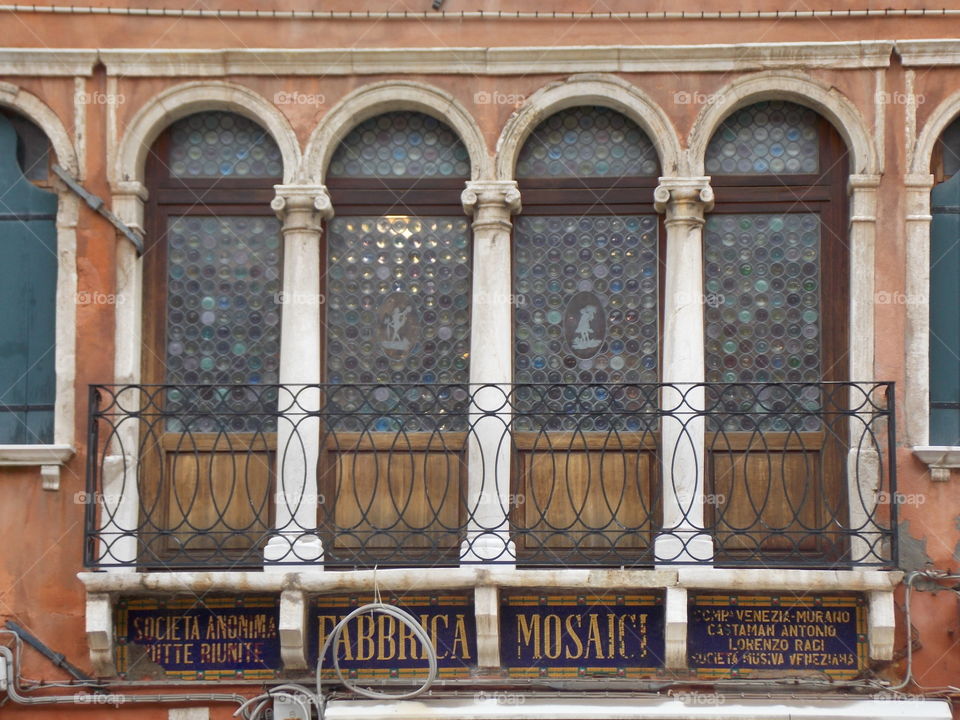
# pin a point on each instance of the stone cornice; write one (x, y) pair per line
(919, 53)
(495, 60)
(47, 62)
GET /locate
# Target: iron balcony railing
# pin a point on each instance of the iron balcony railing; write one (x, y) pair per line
(626, 475)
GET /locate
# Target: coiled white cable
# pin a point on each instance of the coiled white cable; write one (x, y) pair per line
(305, 698)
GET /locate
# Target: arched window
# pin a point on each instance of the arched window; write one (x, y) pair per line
(28, 279)
(776, 274)
(211, 328)
(398, 288)
(586, 285)
(945, 291)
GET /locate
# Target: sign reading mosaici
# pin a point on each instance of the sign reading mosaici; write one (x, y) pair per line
(748, 634)
(581, 635)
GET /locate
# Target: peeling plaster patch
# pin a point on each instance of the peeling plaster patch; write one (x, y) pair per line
(913, 551)
(956, 550)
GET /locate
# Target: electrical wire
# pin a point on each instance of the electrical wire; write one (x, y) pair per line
(306, 699)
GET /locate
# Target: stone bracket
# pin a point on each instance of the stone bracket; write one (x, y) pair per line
(487, 609)
(293, 629)
(675, 628)
(99, 629)
(881, 623)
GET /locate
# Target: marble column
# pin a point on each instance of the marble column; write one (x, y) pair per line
(684, 200)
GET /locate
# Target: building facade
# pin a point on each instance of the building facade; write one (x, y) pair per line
(618, 346)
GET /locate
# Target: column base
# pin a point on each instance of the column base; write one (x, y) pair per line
(293, 553)
(488, 547)
(683, 546)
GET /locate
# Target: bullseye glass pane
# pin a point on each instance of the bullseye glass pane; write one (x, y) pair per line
(587, 142)
(586, 291)
(223, 319)
(401, 145)
(221, 144)
(777, 138)
(762, 293)
(398, 311)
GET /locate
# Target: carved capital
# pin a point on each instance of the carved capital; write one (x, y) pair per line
(297, 205)
(683, 198)
(496, 195)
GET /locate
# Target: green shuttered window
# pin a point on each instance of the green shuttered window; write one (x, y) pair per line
(28, 279)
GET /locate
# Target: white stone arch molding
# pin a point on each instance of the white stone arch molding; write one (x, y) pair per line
(188, 98)
(795, 87)
(47, 456)
(589, 89)
(389, 96)
(864, 178)
(918, 184)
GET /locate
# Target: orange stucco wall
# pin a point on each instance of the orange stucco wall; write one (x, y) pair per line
(42, 532)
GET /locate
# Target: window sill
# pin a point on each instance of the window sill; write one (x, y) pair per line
(49, 457)
(941, 459)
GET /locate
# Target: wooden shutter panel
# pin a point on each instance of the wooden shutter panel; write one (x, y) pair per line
(28, 278)
(945, 314)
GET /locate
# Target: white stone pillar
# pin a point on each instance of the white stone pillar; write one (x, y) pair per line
(296, 544)
(685, 200)
(491, 341)
(119, 504)
(916, 399)
(863, 458)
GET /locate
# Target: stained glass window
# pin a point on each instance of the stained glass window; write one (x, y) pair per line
(762, 276)
(586, 294)
(398, 305)
(775, 137)
(587, 142)
(222, 144)
(223, 318)
(401, 145)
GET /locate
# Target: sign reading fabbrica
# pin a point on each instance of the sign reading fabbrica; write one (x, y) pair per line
(583, 635)
(375, 645)
(742, 635)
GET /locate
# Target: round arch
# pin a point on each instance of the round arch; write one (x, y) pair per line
(182, 100)
(794, 87)
(34, 109)
(390, 96)
(603, 90)
(944, 114)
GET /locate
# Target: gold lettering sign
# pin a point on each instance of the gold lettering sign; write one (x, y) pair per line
(191, 639)
(581, 635)
(737, 636)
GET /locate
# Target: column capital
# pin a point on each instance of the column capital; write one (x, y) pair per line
(499, 195)
(684, 198)
(294, 199)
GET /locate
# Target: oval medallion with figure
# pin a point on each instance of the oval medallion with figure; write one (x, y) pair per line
(398, 326)
(585, 325)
